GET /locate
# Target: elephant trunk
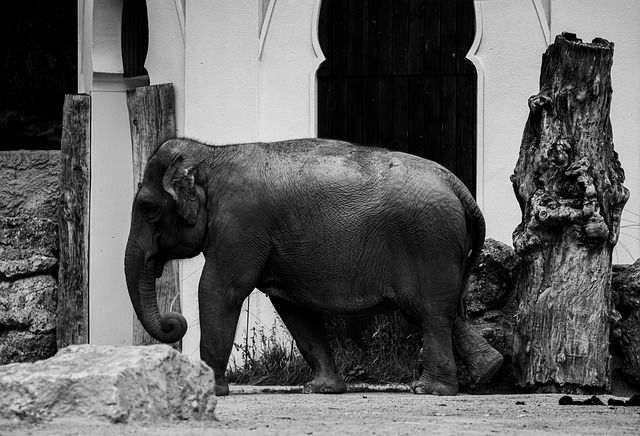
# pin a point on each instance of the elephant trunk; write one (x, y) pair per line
(141, 283)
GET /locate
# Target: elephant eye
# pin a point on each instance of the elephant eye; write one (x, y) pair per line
(150, 211)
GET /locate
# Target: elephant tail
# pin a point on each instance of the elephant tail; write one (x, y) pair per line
(476, 231)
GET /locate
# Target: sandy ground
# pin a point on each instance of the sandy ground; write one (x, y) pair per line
(248, 411)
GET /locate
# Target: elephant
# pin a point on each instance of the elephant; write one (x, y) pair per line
(321, 227)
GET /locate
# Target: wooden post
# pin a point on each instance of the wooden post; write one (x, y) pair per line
(72, 323)
(568, 181)
(152, 122)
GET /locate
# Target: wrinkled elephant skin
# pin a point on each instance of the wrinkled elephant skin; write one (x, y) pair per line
(320, 226)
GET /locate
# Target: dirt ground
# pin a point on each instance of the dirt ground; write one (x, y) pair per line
(249, 411)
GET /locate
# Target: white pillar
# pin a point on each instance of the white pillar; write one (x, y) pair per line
(100, 75)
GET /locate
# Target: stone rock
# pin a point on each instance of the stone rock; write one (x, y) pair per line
(29, 304)
(493, 277)
(28, 246)
(34, 264)
(490, 299)
(24, 346)
(119, 384)
(29, 183)
(626, 346)
(29, 191)
(24, 237)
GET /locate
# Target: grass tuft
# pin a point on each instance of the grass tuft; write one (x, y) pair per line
(384, 354)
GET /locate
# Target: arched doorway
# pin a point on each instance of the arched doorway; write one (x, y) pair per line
(396, 76)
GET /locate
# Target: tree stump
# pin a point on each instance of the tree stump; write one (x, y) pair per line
(568, 182)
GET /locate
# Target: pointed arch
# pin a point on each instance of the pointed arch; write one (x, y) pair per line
(396, 76)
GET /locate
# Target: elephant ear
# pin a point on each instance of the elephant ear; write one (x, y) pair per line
(179, 182)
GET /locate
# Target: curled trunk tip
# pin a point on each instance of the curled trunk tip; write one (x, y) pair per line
(173, 326)
(141, 284)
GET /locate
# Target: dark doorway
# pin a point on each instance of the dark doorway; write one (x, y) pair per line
(396, 77)
(39, 55)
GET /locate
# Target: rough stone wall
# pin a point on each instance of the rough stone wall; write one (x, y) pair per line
(29, 189)
(626, 334)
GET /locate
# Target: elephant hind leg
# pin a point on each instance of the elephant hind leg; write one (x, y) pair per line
(309, 332)
(439, 369)
(482, 360)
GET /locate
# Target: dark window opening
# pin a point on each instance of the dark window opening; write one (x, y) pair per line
(135, 37)
(39, 60)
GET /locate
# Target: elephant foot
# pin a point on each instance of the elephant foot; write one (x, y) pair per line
(221, 391)
(481, 359)
(325, 385)
(221, 387)
(484, 367)
(426, 387)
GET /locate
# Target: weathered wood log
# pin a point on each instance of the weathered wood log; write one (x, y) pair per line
(568, 181)
(152, 122)
(72, 322)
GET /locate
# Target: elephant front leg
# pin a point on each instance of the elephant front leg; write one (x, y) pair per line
(218, 328)
(220, 306)
(439, 369)
(309, 332)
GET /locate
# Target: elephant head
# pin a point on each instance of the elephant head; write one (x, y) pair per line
(168, 222)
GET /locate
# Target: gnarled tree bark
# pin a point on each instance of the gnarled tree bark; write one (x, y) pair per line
(568, 181)
(72, 321)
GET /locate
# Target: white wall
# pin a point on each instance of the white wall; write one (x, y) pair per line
(290, 56)
(507, 57)
(221, 75)
(166, 55)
